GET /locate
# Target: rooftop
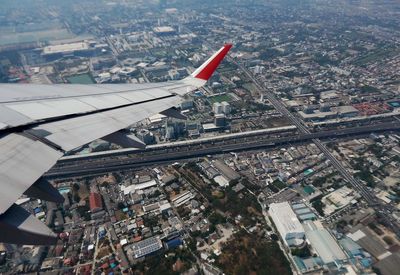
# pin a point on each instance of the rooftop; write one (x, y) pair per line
(285, 220)
(66, 48)
(147, 246)
(163, 29)
(323, 242)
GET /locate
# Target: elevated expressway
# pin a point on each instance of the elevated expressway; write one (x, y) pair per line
(119, 160)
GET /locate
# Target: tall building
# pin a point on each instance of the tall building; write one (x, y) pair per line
(169, 132)
(220, 120)
(226, 108)
(287, 223)
(217, 108)
(146, 136)
(174, 129)
(259, 69)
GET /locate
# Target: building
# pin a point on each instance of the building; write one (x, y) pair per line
(338, 199)
(220, 120)
(187, 104)
(164, 31)
(323, 243)
(100, 63)
(217, 108)
(316, 115)
(329, 95)
(226, 108)
(193, 128)
(146, 247)
(174, 129)
(303, 212)
(325, 112)
(146, 136)
(132, 188)
(192, 125)
(95, 202)
(347, 111)
(259, 69)
(78, 48)
(182, 198)
(287, 224)
(173, 243)
(169, 132)
(174, 74)
(210, 127)
(226, 171)
(325, 108)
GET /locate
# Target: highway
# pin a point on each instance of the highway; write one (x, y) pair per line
(383, 211)
(281, 131)
(115, 161)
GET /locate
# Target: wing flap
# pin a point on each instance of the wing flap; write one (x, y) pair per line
(22, 162)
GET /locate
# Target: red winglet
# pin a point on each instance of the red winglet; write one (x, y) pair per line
(205, 71)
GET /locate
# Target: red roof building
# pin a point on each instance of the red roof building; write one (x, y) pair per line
(95, 202)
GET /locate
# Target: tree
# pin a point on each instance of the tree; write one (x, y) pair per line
(216, 218)
(319, 206)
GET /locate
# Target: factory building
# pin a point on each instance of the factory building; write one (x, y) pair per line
(323, 243)
(146, 247)
(164, 31)
(69, 49)
(287, 224)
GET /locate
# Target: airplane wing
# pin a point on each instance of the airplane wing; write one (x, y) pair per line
(40, 123)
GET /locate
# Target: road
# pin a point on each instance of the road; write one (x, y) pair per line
(383, 211)
(116, 162)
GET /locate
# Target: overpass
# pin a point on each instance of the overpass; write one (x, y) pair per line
(111, 161)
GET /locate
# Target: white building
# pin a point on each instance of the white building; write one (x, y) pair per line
(217, 108)
(66, 48)
(338, 199)
(323, 243)
(226, 108)
(287, 223)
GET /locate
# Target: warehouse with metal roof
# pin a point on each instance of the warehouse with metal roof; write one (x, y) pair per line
(146, 247)
(323, 243)
(287, 223)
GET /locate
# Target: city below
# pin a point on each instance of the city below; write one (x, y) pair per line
(287, 161)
